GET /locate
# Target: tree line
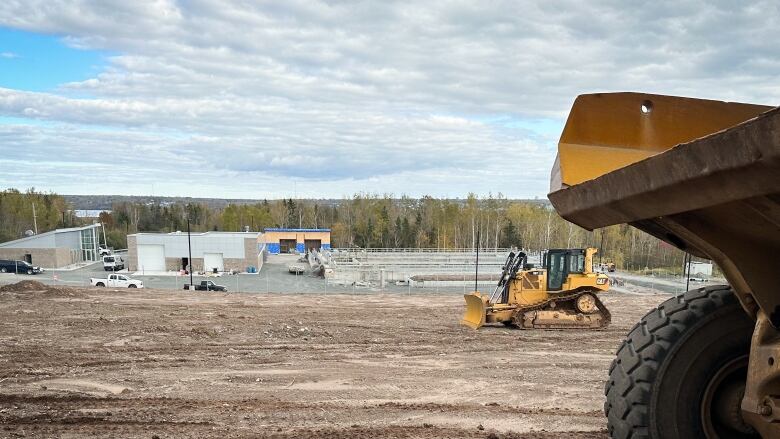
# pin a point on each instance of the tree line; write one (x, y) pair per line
(21, 212)
(364, 220)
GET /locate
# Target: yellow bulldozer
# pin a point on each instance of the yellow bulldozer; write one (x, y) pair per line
(563, 294)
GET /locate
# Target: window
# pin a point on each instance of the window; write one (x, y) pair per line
(556, 270)
(576, 263)
(88, 252)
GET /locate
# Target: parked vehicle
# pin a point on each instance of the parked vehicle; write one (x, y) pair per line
(207, 285)
(113, 263)
(116, 280)
(703, 177)
(18, 267)
(605, 267)
(103, 250)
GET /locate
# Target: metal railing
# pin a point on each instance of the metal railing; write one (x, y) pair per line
(421, 250)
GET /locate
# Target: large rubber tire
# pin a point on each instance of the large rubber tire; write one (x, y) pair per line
(658, 381)
(100, 284)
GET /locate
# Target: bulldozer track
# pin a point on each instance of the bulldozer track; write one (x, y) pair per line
(607, 316)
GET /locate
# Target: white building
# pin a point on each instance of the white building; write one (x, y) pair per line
(56, 248)
(222, 251)
(699, 269)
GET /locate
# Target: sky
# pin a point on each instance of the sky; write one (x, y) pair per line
(325, 99)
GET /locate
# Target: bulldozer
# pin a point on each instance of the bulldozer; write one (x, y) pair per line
(703, 176)
(563, 294)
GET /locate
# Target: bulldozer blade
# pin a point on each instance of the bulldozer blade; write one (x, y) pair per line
(474, 317)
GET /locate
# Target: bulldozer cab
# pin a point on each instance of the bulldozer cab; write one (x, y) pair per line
(562, 262)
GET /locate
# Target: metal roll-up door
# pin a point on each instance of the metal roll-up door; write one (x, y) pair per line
(151, 257)
(212, 261)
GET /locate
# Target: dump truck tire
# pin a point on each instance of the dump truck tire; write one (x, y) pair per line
(680, 373)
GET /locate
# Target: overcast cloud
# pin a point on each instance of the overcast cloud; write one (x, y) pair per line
(324, 99)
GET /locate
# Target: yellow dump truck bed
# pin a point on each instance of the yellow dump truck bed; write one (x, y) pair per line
(716, 195)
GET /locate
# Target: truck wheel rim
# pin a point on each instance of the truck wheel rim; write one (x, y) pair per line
(721, 413)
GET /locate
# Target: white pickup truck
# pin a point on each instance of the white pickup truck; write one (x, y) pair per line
(116, 280)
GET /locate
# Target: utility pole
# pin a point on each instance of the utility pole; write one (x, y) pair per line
(189, 245)
(476, 267)
(35, 219)
(105, 241)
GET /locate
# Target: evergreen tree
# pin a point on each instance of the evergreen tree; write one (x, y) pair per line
(510, 237)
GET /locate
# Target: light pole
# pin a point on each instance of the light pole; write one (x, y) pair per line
(189, 247)
(476, 266)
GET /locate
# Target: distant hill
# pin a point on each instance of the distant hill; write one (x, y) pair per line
(103, 202)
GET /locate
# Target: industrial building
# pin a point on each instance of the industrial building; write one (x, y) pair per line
(223, 251)
(282, 240)
(56, 248)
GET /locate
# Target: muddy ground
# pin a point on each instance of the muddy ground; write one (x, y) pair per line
(155, 363)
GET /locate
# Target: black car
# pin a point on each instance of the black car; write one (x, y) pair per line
(208, 285)
(18, 267)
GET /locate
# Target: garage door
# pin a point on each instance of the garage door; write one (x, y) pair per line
(212, 261)
(151, 257)
(313, 244)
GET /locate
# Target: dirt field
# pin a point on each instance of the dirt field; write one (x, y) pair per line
(153, 363)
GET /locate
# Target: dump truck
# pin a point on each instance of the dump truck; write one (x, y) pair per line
(563, 294)
(703, 176)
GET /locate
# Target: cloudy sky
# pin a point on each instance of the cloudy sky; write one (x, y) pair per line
(211, 98)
